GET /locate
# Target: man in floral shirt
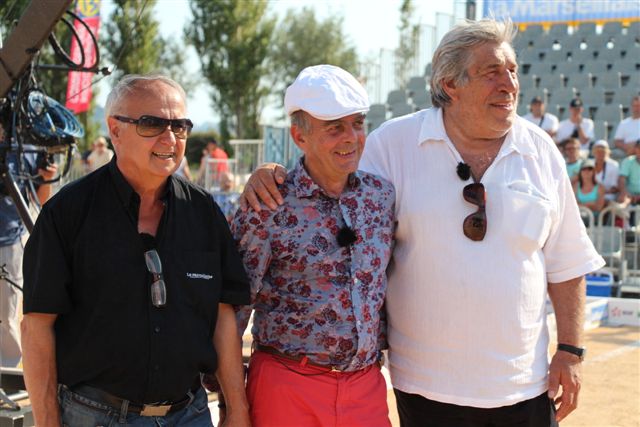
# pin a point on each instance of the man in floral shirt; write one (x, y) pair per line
(317, 268)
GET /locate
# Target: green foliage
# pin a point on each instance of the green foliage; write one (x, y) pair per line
(302, 40)
(133, 43)
(10, 12)
(406, 50)
(131, 40)
(232, 40)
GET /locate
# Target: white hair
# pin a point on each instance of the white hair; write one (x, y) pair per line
(451, 58)
(130, 83)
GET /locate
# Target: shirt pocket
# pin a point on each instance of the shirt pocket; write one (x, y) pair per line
(201, 280)
(527, 220)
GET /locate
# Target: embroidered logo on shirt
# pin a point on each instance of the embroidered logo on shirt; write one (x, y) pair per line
(199, 276)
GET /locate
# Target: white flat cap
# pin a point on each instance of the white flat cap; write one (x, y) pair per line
(326, 92)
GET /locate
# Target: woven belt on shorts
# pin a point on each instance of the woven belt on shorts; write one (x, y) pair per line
(147, 410)
(303, 360)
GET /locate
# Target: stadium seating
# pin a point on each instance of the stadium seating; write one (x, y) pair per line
(397, 97)
(601, 65)
(609, 113)
(581, 80)
(600, 129)
(611, 80)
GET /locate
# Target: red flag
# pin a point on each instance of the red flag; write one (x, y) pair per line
(79, 86)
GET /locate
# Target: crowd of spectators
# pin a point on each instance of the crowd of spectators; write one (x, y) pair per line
(598, 180)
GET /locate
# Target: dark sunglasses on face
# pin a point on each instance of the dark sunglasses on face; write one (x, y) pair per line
(158, 287)
(150, 126)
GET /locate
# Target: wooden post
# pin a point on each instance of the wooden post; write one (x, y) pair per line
(35, 25)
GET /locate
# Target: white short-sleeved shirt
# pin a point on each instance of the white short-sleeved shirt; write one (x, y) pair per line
(567, 127)
(608, 177)
(467, 320)
(547, 122)
(628, 130)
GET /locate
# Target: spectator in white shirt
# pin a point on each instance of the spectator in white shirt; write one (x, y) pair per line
(537, 115)
(606, 169)
(628, 131)
(576, 126)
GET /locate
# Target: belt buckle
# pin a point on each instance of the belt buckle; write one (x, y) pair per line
(155, 410)
(334, 369)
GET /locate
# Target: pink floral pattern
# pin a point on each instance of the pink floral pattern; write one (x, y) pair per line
(311, 296)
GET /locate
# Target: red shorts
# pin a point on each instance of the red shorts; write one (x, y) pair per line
(281, 393)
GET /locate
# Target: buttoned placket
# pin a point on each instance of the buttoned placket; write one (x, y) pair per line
(357, 303)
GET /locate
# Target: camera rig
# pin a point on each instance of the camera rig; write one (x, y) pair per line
(33, 123)
(34, 127)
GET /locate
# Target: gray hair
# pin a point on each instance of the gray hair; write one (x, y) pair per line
(451, 58)
(300, 119)
(130, 83)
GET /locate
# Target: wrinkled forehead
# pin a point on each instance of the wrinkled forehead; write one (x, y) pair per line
(492, 54)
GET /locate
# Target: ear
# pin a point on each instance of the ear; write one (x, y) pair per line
(115, 128)
(298, 137)
(451, 89)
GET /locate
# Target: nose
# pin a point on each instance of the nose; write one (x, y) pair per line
(167, 136)
(510, 81)
(352, 132)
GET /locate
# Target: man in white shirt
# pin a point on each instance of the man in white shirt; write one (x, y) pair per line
(537, 115)
(488, 226)
(100, 155)
(628, 131)
(576, 126)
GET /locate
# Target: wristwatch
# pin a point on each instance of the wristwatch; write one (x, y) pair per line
(578, 351)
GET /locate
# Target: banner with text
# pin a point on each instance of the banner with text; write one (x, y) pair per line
(79, 85)
(543, 11)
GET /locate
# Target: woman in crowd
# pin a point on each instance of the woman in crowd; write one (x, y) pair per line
(606, 170)
(588, 192)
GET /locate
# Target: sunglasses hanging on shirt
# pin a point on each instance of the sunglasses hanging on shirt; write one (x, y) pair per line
(158, 289)
(474, 225)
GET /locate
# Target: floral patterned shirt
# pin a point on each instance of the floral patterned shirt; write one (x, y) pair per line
(311, 296)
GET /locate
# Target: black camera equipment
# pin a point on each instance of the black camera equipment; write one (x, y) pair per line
(37, 125)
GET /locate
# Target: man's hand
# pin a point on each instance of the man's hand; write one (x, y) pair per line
(49, 172)
(262, 187)
(566, 372)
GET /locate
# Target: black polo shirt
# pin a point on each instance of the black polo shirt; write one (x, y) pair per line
(85, 262)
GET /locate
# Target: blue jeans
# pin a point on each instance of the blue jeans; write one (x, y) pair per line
(78, 411)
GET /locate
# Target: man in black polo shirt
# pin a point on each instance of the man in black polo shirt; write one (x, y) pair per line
(130, 274)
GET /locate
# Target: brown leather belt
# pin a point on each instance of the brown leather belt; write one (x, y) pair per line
(303, 360)
(149, 410)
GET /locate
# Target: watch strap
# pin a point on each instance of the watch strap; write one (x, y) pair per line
(578, 351)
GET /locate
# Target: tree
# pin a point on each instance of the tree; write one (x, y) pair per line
(406, 51)
(232, 40)
(301, 40)
(134, 45)
(132, 41)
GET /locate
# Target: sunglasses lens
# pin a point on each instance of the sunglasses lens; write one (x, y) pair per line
(475, 226)
(181, 128)
(152, 259)
(474, 193)
(158, 293)
(149, 126)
